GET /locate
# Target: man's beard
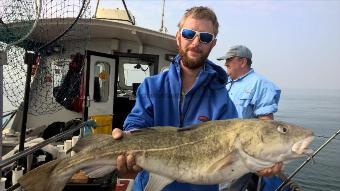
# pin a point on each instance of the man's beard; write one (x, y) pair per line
(193, 63)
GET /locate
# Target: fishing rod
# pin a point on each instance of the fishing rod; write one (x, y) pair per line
(12, 114)
(306, 161)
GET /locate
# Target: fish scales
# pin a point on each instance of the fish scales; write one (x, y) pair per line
(208, 153)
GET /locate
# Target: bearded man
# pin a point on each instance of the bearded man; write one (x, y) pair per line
(192, 91)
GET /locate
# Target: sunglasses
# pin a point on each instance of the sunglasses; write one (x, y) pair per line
(205, 37)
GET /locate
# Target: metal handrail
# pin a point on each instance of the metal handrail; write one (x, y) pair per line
(44, 143)
(14, 187)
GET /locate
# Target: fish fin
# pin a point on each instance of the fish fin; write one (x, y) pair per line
(165, 129)
(38, 178)
(253, 164)
(224, 162)
(206, 123)
(97, 172)
(156, 182)
(188, 128)
(88, 141)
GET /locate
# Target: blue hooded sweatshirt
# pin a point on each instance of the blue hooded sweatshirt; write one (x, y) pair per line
(158, 103)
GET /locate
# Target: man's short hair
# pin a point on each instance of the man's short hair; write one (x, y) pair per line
(249, 62)
(201, 13)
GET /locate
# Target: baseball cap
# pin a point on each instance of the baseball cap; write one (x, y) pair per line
(239, 51)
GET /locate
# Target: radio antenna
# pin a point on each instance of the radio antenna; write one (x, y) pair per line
(163, 29)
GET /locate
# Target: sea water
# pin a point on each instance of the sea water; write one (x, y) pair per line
(318, 110)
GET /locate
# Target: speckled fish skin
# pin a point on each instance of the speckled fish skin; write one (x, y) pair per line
(208, 153)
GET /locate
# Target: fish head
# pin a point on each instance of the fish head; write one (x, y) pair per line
(275, 141)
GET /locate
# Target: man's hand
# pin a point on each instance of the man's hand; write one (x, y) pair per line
(126, 164)
(271, 171)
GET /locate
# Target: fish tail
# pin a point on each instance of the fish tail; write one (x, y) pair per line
(39, 178)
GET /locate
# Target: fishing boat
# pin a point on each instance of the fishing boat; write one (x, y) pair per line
(99, 82)
(115, 57)
(114, 48)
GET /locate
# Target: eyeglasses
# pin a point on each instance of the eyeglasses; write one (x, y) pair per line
(205, 37)
(231, 59)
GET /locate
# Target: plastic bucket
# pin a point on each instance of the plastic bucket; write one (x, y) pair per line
(103, 124)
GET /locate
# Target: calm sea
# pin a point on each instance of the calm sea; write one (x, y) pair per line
(320, 111)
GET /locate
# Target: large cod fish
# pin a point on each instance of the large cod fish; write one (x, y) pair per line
(208, 153)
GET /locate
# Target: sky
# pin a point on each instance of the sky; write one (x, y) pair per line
(296, 44)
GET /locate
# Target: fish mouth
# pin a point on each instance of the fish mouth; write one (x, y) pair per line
(301, 147)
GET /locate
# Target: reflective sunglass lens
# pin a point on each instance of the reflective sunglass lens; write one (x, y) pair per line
(206, 37)
(188, 34)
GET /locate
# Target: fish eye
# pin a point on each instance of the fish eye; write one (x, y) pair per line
(282, 129)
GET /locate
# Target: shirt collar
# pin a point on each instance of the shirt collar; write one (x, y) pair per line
(241, 77)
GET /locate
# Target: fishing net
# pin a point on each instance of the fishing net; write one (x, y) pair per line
(17, 20)
(57, 30)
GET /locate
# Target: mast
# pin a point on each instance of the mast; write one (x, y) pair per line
(162, 29)
(95, 13)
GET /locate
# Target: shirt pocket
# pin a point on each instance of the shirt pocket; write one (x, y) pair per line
(245, 99)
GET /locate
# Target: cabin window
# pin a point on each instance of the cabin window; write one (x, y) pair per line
(135, 73)
(101, 81)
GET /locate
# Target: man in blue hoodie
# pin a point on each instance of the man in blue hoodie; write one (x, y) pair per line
(192, 91)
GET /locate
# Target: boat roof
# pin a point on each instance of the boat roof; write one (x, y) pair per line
(48, 29)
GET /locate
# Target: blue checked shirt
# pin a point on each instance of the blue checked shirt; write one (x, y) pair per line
(253, 95)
